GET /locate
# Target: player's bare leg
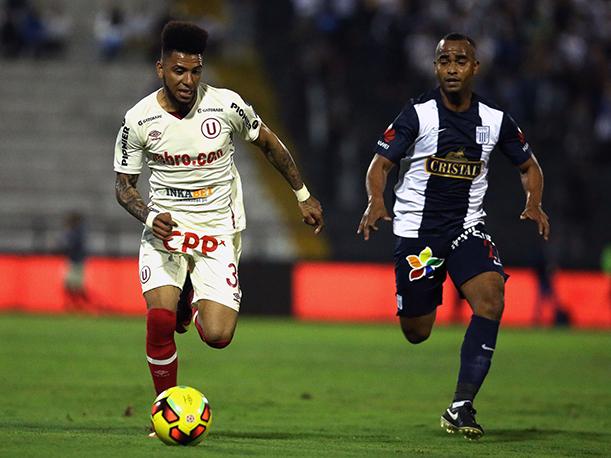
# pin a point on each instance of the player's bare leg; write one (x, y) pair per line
(164, 297)
(215, 323)
(484, 293)
(417, 329)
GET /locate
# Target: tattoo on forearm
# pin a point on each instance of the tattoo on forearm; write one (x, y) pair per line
(129, 197)
(281, 159)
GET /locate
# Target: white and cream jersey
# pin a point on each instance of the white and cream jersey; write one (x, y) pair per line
(193, 175)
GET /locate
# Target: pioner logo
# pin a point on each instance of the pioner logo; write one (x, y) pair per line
(454, 165)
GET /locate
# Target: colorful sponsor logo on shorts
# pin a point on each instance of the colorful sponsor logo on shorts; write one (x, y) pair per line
(423, 265)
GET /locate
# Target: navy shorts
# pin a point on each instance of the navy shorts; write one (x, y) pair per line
(421, 265)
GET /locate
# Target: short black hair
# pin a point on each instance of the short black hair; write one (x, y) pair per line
(184, 37)
(455, 36)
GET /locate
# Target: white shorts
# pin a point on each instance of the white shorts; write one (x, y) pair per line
(214, 264)
(75, 277)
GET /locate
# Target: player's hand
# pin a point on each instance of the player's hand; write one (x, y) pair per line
(311, 210)
(163, 225)
(536, 213)
(375, 211)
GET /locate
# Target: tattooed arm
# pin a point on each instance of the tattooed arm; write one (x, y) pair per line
(278, 155)
(129, 197)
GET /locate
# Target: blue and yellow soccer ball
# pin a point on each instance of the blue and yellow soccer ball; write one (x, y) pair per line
(181, 415)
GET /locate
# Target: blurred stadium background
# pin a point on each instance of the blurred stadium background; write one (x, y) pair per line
(327, 76)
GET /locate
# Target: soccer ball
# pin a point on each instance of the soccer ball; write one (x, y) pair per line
(181, 415)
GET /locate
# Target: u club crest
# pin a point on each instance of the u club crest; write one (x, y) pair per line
(211, 128)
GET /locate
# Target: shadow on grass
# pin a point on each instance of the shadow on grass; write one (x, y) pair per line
(277, 435)
(67, 429)
(531, 434)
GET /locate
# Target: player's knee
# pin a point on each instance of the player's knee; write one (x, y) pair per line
(416, 336)
(491, 309)
(417, 329)
(218, 344)
(496, 310)
(218, 339)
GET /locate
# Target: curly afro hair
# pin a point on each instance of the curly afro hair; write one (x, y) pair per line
(183, 37)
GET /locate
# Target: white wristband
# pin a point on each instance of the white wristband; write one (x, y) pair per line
(302, 194)
(150, 218)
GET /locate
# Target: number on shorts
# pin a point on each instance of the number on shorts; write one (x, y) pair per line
(233, 282)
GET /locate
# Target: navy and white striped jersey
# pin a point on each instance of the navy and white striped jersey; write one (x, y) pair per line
(443, 157)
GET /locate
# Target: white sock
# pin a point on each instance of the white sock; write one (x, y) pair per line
(457, 404)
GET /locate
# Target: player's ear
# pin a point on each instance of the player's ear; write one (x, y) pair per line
(476, 67)
(159, 68)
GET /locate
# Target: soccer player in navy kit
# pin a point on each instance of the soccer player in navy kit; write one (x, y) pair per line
(442, 143)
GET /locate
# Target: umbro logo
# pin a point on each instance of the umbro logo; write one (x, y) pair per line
(453, 415)
(155, 135)
(486, 347)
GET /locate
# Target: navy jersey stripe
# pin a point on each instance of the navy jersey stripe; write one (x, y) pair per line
(447, 199)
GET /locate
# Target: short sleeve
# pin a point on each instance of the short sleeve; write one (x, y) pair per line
(512, 141)
(243, 118)
(129, 150)
(399, 136)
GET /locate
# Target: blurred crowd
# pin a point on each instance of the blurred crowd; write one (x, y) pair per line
(353, 64)
(343, 69)
(115, 30)
(28, 30)
(46, 29)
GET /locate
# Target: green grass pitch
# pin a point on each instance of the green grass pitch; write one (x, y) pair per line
(79, 386)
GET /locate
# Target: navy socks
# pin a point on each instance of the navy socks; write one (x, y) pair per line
(475, 357)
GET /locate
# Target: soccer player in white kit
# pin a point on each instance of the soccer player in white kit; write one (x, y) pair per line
(185, 133)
